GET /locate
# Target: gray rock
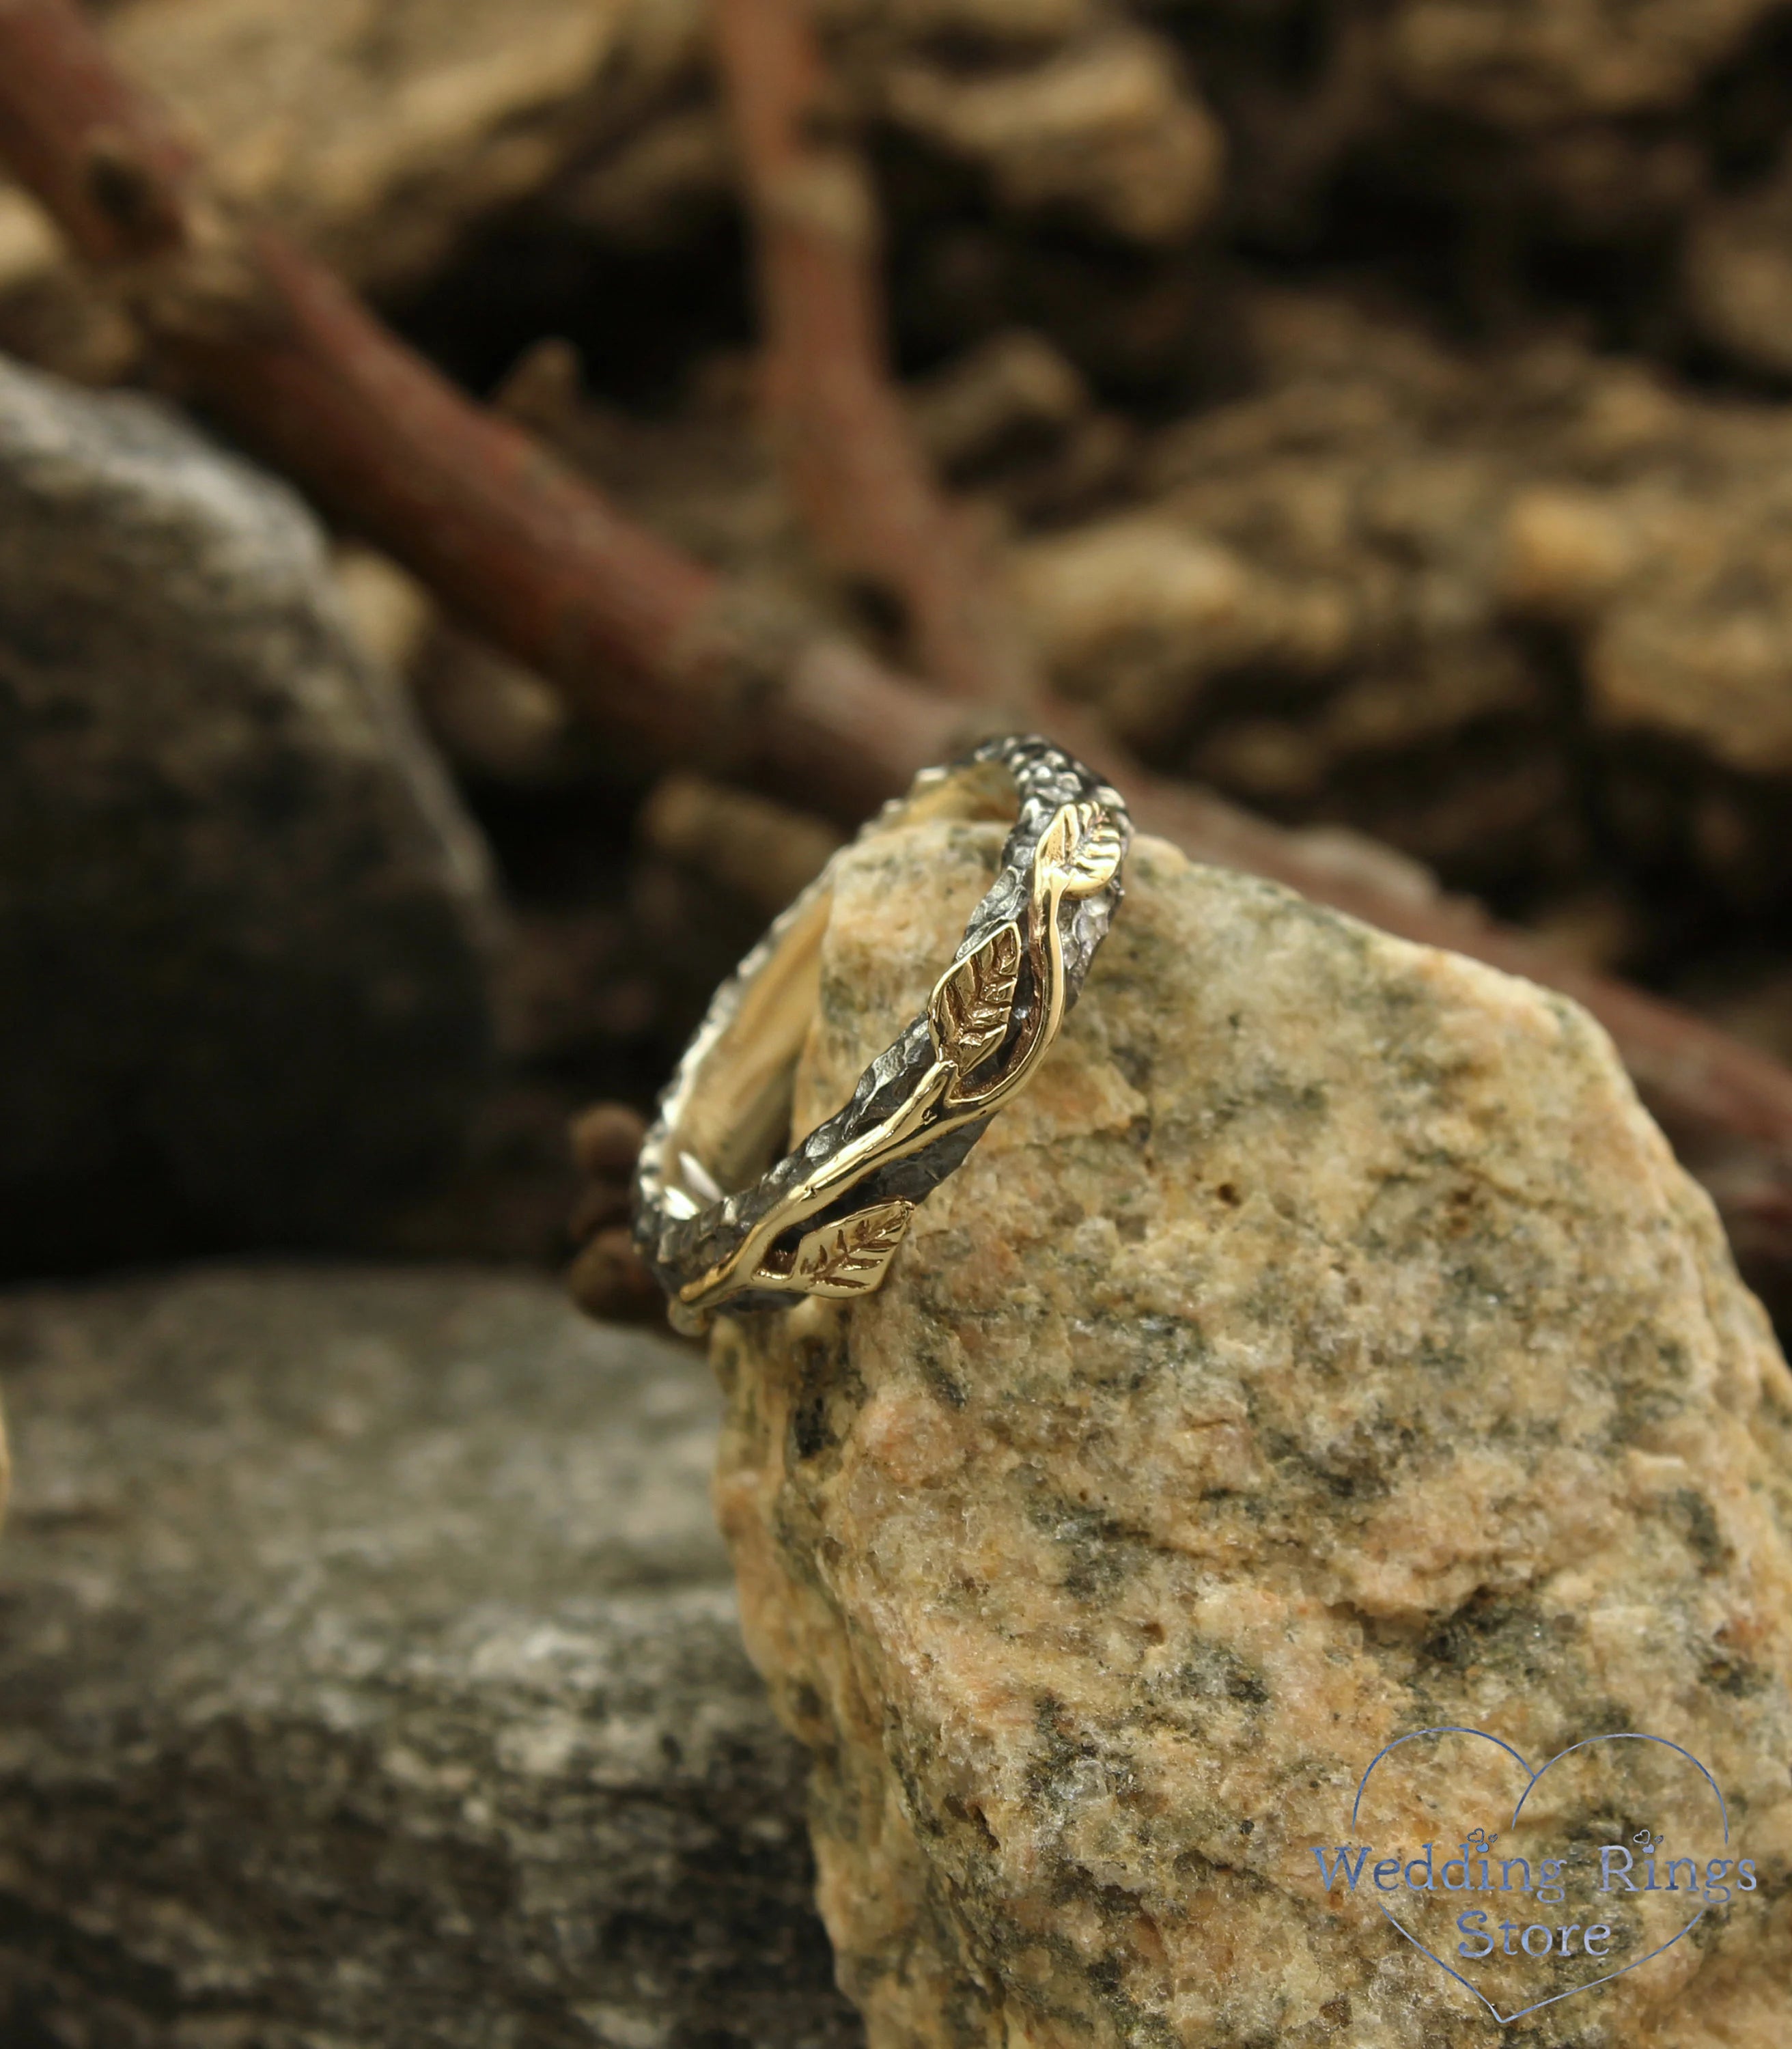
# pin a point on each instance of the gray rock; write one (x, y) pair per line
(370, 1675)
(242, 920)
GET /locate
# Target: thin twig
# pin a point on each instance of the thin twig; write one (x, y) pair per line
(854, 464)
(655, 648)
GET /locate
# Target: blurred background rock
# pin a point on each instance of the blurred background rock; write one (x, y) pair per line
(1380, 413)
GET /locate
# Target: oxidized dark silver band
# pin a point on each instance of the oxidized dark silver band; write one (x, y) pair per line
(827, 1217)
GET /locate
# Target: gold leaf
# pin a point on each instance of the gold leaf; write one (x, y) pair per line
(1082, 845)
(972, 1002)
(849, 1257)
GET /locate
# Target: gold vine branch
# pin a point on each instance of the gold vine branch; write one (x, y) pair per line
(1078, 853)
(970, 1014)
(850, 1257)
(973, 1002)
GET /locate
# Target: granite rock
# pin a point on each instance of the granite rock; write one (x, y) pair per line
(1327, 1347)
(245, 924)
(371, 1675)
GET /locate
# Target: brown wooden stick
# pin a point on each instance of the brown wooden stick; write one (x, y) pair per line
(854, 464)
(653, 647)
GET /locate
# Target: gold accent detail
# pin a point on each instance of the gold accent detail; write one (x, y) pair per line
(971, 1004)
(1082, 845)
(849, 1257)
(970, 1015)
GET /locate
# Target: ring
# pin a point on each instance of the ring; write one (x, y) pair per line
(715, 1220)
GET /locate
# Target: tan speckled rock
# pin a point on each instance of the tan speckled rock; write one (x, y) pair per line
(1327, 1348)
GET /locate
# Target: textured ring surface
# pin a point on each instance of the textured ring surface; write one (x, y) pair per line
(827, 1217)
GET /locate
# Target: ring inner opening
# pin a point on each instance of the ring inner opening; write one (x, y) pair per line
(736, 1121)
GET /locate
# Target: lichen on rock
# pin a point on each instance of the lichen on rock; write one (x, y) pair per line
(1327, 1348)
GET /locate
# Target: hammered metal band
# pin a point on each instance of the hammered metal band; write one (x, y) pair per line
(827, 1218)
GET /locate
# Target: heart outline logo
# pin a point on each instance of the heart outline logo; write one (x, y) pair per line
(1531, 1777)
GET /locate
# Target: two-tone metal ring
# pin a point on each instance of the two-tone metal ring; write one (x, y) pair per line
(720, 1218)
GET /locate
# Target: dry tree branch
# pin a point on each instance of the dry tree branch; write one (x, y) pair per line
(854, 464)
(518, 548)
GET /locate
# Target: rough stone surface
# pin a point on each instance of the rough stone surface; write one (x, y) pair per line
(1103, 128)
(380, 131)
(1368, 591)
(1526, 64)
(1327, 1347)
(243, 921)
(1738, 275)
(386, 134)
(371, 1676)
(1600, 134)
